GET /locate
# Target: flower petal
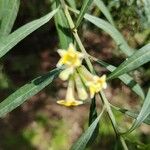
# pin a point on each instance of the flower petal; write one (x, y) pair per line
(69, 103)
(80, 88)
(64, 75)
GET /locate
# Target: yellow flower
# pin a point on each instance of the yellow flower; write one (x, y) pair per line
(80, 87)
(70, 99)
(96, 85)
(70, 57)
(93, 82)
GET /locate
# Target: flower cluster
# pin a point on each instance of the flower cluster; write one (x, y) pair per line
(79, 78)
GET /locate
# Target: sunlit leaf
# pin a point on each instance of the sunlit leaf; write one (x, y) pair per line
(26, 91)
(86, 4)
(62, 26)
(8, 16)
(132, 114)
(136, 60)
(14, 38)
(72, 3)
(100, 4)
(111, 30)
(144, 113)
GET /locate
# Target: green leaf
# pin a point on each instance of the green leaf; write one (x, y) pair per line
(92, 117)
(14, 38)
(72, 3)
(135, 115)
(62, 26)
(82, 142)
(125, 78)
(9, 14)
(111, 30)
(1, 9)
(100, 4)
(132, 114)
(26, 91)
(136, 60)
(144, 113)
(86, 4)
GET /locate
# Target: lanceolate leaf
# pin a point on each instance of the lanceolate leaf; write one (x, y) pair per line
(144, 113)
(72, 3)
(125, 78)
(111, 30)
(10, 41)
(26, 91)
(86, 4)
(139, 58)
(135, 115)
(62, 26)
(132, 114)
(9, 14)
(100, 4)
(81, 143)
(92, 117)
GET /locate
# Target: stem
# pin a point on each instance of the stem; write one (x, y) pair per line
(89, 64)
(76, 36)
(110, 113)
(113, 120)
(124, 145)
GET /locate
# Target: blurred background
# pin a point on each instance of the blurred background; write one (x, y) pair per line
(41, 124)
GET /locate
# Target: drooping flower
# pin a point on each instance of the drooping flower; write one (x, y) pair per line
(70, 99)
(96, 85)
(82, 93)
(93, 82)
(71, 59)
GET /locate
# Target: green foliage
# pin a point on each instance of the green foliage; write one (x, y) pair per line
(100, 4)
(126, 79)
(62, 27)
(139, 58)
(86, 137)
(11, 40)
(84, 8)
(67, 33)
(25, 92)
(9, 13)
(144, 113)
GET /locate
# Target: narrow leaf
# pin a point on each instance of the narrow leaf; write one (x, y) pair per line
(144, 113)
(26, 91)
(14, 38)
(136, 60)
(72, 3)
(9, 14)
(111, 30)
(81, 143)
(92, 117)
(132, 114)
(125, 78)
(62, 26)
(100, 4)
(86, 4)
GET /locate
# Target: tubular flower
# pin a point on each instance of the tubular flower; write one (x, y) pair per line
(82, 93)
(70, 99)
(71, 59)
(93, 82)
